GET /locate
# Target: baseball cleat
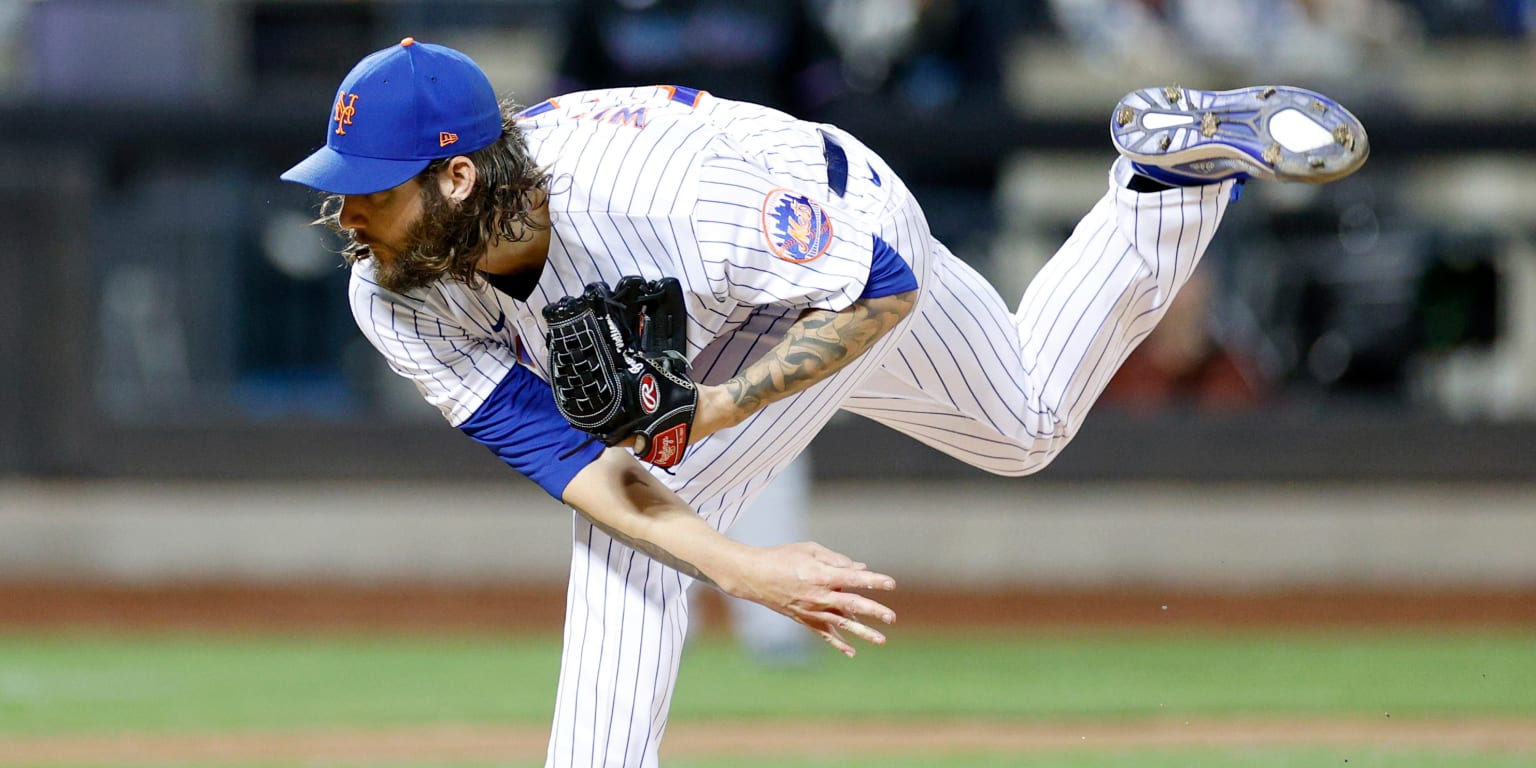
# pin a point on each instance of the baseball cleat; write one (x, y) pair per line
(1186, 136)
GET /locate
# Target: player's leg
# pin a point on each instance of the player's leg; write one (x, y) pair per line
(1006, 391)
(626, 616)
(777, 516)
(626, 620)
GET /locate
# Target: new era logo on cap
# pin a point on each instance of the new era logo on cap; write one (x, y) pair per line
(397, 110)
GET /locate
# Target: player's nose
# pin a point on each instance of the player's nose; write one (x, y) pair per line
(351, 215)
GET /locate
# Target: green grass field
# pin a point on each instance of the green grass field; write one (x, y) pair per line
(60, 686)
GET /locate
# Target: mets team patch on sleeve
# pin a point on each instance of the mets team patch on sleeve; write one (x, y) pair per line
(797, 228)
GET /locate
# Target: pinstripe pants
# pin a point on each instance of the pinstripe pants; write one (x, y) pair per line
(1003, 390)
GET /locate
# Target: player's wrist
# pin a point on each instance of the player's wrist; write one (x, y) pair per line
(717, 410)
(729, 565)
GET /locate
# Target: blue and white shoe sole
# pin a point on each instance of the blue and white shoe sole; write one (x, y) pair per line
(1285, 133)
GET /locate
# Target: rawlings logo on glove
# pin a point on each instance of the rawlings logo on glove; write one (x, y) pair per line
(617, 366)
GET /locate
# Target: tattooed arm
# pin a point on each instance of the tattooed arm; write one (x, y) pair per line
(819, 344)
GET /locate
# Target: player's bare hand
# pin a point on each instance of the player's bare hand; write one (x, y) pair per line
(815, 586)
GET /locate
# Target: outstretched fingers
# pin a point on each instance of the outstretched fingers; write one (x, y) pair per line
(835, 612)
(830, 627)
(826, 591)
(847, 573)
(860, 630)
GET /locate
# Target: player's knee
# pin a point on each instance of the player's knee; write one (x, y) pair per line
(1026, 458)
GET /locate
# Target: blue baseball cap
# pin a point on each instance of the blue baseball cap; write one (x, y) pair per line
(398, 110)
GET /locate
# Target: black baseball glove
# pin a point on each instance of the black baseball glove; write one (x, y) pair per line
(617, 366)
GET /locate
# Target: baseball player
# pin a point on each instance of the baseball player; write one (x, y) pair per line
(723, 278)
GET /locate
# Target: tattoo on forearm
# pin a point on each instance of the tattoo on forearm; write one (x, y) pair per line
(655, 552)
(818, 345)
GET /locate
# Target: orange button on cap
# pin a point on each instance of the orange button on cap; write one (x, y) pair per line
(407, 42)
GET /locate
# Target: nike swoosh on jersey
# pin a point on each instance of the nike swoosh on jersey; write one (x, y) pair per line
(501, 322)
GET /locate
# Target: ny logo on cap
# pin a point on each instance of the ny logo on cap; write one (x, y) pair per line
(346, 107)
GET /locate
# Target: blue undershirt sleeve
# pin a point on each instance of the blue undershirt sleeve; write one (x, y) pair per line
(520, 424)
(888, 273)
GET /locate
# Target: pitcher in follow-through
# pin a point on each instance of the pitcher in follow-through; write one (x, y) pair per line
(756, 273)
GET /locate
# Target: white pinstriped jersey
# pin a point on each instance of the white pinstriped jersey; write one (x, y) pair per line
(655, 182)
(651, 181)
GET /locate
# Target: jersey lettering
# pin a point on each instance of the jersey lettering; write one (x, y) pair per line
(616, 114)
(635, 118)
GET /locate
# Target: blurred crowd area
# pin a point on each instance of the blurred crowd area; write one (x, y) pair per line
(161, 279)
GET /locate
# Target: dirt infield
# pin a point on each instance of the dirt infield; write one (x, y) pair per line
(488, 744)
(414, 607)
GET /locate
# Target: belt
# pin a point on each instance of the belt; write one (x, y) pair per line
(837, 163)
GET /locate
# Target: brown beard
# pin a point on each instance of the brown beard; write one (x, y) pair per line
(434, 246)
(450, 239)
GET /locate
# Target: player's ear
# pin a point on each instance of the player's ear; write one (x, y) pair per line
(457, 179)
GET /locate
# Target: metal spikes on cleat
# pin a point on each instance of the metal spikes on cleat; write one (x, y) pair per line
(1265, 132)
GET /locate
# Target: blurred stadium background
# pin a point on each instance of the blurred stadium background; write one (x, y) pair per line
(1336, 427)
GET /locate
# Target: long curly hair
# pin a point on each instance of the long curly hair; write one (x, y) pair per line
(451, 239)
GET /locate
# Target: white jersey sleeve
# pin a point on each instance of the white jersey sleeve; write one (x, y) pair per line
(769, 239)
(425, 337)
